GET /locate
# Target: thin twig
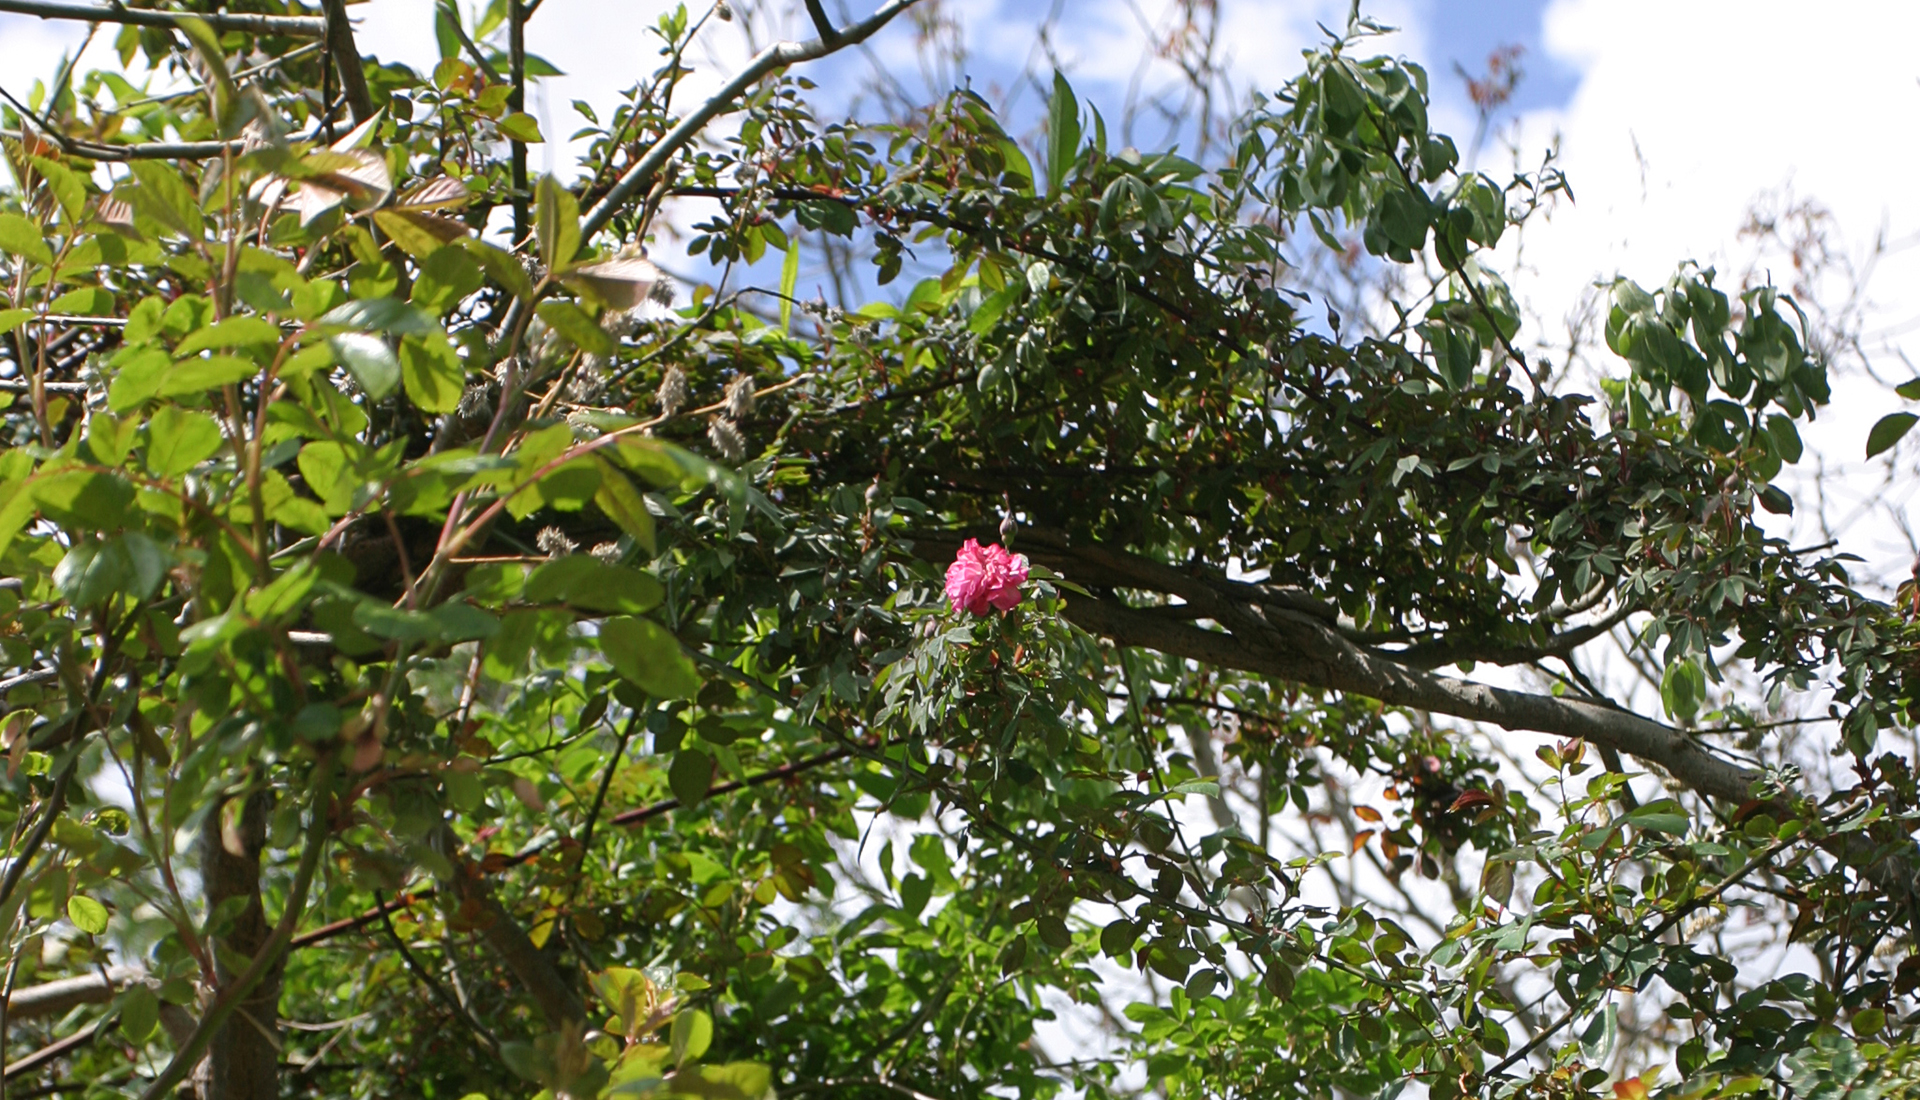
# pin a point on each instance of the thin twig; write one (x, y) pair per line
(433, 984)
(292, 26)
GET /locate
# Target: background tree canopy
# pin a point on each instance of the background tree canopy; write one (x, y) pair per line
(441, 659)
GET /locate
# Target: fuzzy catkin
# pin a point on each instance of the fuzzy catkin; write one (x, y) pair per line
(673, 391)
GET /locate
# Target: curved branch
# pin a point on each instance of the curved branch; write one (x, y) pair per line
(1449, 651)
(765, 63)
(1305, 652)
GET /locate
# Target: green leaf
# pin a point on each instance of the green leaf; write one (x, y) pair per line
(192, 376)
(1496, 881)
(1665, 816)
(521, 127)
(139, 1012)
(645, 653)
(1116, 939)
(1063, 133)
(789, 281)
(692, 1029)
(584, 581)
(732, 1081)
(690, 776)
(66, 185)
(459, 621)
(179, 440)
(22, 238)
(572, 322)
(394, 623)
(413, 238)
(368, 358)
(624, 505)
(1888, 431)
(234, 332)
(85, 498)
(1909, 390)
(11, 319)
(446, 277)
(556, 224)
(87, 915)
(163, 195)
(390, 315)
(86, 301)
(501, 266)
(1786, 438)
(433, 373)
(1597, 1041)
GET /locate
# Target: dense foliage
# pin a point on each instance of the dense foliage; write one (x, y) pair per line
(436, 663)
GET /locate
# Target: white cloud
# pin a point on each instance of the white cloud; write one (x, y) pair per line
(1688, 114)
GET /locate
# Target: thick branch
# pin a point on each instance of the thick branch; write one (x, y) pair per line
(346, 58)
(187, 1055)
(1305, 652)
(774, 57)
(56, 997)
(292, 26)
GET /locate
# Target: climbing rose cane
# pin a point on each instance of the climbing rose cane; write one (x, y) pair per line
(985, 576)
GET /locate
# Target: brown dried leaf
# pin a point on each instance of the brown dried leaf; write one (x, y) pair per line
(439, 193)
(622, 283)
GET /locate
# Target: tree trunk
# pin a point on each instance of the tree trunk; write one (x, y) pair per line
(243, 1061)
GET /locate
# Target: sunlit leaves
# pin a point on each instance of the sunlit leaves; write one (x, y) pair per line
(645, 653)
(178, 440)
(556, 224)
(22, 238)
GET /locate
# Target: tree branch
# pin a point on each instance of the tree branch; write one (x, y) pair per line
(53, 1050)
(346, 58)
(641, 813)
(319, 829)
(1304, 651)
(292, 26)
(535, 972)
(433, 984)
(774, 57)
(56, 997)
(822, 24)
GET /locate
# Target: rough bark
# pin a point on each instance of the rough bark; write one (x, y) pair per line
(243, 1060)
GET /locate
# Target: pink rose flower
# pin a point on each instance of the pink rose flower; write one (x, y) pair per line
(985, 576)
